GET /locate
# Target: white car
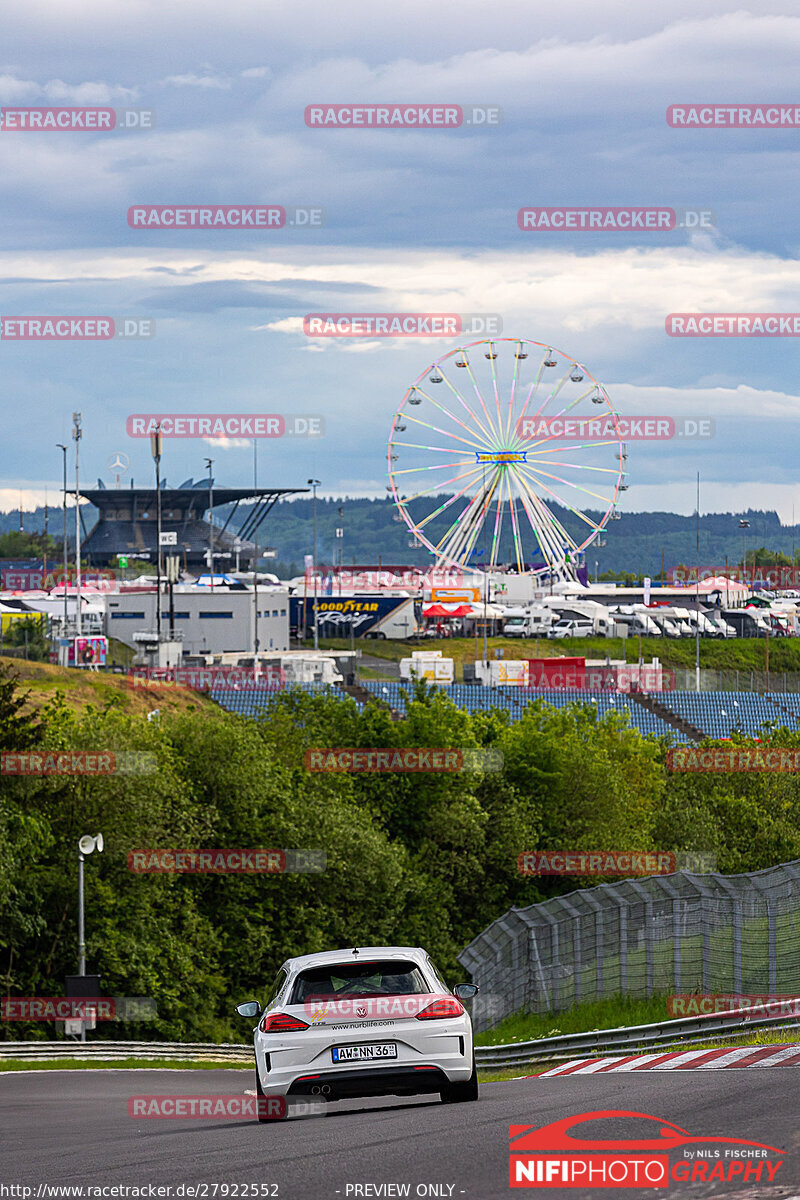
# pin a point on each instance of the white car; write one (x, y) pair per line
(369, 1021)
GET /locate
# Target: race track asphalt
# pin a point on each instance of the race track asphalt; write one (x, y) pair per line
(73, 1128)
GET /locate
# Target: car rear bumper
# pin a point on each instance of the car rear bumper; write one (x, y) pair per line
(381, 1081)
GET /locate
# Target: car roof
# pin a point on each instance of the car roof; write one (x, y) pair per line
(365, 954)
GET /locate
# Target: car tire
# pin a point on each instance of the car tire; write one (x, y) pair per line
(263, 1119)
(459, 1093)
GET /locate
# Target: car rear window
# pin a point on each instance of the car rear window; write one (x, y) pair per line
(395, 977)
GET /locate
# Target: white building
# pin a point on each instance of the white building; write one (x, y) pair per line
(208, 622)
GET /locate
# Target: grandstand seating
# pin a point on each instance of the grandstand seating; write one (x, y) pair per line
(718, 714)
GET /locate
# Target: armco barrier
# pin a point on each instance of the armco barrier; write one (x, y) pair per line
(99, 1050)
(683, 1031)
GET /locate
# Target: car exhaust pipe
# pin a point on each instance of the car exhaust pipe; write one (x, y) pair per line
(325, 1089)
(315, 1090)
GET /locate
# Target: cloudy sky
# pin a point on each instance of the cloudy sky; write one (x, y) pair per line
(415, 221)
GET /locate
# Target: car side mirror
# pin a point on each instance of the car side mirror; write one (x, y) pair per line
(465, 991)
(250, 1008)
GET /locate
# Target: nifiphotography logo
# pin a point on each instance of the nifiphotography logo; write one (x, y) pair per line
(555, 1156)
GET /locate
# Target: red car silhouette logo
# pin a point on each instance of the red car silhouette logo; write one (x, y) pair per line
(556, 1136)
(552, 1156)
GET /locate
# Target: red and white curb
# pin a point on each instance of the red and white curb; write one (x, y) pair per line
(685, 1060)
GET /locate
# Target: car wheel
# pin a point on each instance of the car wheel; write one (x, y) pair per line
(459, 1093)
(261, 1102)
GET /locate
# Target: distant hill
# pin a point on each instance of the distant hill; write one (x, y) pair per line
(371, 530)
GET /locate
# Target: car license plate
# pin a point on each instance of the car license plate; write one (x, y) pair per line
(367, 1052)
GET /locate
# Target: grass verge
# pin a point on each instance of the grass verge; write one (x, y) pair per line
(151, 1064)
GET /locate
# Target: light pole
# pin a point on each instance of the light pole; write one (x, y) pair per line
(64, 451)
(697, 596)
(76, 433)
(255, 561)
(209, 463)
(314, 484)
(743, 525)
(155, 448)
(340, 540)
(86, 845)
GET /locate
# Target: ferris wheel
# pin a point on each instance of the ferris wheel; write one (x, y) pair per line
(506, 451)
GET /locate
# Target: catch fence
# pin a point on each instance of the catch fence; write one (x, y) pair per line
(681, 933)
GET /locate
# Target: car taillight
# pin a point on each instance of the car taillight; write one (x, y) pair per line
(281, 1023)
(448, 1006)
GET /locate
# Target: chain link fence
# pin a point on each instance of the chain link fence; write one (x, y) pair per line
(641, 937)
(685, 680)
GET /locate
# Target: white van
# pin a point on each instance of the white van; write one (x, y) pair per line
(571, 627)
(533, 622)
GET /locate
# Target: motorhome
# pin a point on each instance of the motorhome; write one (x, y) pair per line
(721, 627)
(530, 622)
(568, 608)
(691, 618)
(637, 619)
(668, 627)
(751, 623)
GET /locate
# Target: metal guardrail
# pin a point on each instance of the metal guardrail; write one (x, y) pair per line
(685, 1031)
(109, 1051)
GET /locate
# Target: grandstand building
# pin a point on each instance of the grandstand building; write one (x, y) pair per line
(127, 525)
